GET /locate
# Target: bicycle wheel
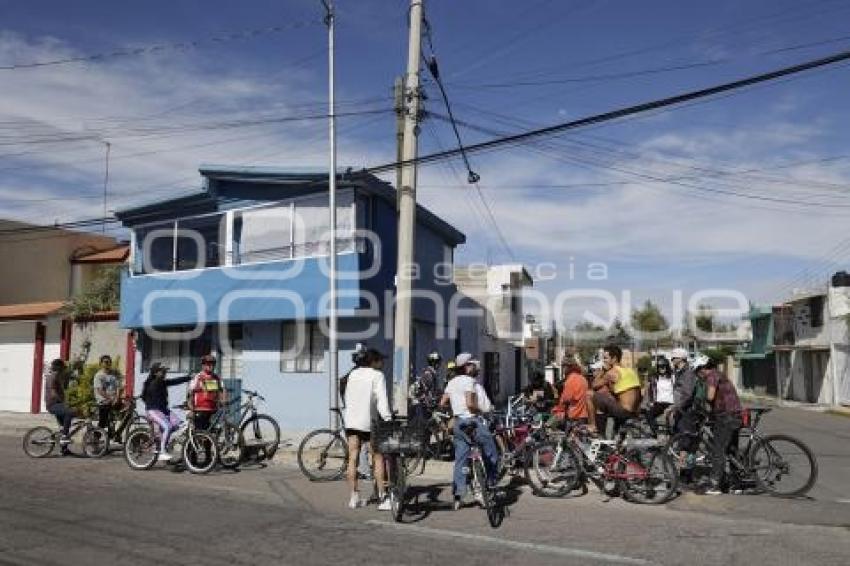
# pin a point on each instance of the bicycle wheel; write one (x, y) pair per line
(783, 466)
(200, 452)
(649, 476)
(553, 470)
(39, 442)
(230, 448)
(140, 450)
(95, 442)
(260, 437)
(397, 487)
(323, 455)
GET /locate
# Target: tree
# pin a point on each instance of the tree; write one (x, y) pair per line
(649, 318)
(101, 294)
(704, 318)
(618, 334)
(589, 338)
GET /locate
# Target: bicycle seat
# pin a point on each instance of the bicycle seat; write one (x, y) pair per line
(759, 410)
(181, 406)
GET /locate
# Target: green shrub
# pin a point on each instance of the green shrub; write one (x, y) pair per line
(80, 394)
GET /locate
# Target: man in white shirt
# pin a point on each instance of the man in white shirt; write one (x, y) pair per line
(365, 392)
(463, 396)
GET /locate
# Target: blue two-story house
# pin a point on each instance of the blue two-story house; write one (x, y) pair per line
(240, 269)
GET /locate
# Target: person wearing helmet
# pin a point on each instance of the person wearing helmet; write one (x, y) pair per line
(683, 391)
(423, 391)
(725, 406)
(206, 393)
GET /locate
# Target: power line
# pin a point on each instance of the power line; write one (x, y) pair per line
(625, 112)
(161, 47)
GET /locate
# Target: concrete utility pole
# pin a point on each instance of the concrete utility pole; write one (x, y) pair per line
(399, 107)
(333, 362)
(105, 186)
(407, 215)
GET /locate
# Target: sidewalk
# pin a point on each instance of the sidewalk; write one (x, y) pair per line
(752, 399)
(14, 424)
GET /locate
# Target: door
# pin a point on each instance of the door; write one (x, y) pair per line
(17, 346)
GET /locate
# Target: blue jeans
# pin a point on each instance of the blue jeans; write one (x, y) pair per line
(484, 438)
(63, 414)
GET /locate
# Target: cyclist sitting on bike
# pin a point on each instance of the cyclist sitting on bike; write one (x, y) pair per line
(424, 389)
(572, 404)
(540, 393)
(726, 409)
(54, 400)
(461, 394)
(206, 393)
(615, 393)
(155, 397)
(366, 389)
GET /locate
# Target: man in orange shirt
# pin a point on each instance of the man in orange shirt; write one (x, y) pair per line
(572, 405)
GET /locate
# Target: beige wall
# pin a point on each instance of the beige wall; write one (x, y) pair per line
(36, 266)
(106, 338)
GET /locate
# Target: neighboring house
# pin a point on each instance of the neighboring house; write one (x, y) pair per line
(801, 348)
(44, 268)
(491, 323)
(239, 269)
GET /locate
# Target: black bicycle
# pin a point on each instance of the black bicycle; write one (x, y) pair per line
(477, 478)
(396, 440)
(323, 453)
(125, 419)
(778, 464)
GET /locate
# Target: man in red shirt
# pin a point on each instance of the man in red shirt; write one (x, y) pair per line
(206, 393)
(572, 404)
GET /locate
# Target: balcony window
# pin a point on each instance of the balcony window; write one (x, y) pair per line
(176, 246)
(263, 234)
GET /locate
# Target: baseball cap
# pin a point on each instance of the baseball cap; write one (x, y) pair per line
(465, 358)
(208, 359)
(679, 353)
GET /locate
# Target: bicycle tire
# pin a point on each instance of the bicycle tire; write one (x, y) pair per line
(140, 450)
(39, 442)
(95, 442)
(398, 488)
(200, 452)
(778, 465)
(315, 452)
(642, 491)
(230, 449)
(700, 448)
(550, 478)
(253, 440)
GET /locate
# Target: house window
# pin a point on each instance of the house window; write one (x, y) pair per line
(187, 244)
(816, 311)
(303, 346)
(177, 354)
(492, 373)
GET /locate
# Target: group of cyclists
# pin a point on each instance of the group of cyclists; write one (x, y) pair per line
(205, 396)
(677, 394)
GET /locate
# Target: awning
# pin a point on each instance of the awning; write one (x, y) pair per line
(29, 311)
(115, 255)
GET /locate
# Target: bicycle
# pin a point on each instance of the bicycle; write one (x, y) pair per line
(476, 475)
(198, 448)
(632, 465)
(323, 453)
(40, 441)
(395, 440)
(127, 418)
(259, 434)
(760, 464)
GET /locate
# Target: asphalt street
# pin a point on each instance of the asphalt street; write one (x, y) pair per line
(73, 510)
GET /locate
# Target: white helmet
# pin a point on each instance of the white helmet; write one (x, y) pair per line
(679, 353)
(701, 361)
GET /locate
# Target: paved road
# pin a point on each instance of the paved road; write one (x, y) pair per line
(68, 510)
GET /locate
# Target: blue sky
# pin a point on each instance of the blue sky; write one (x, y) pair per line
(672, 200)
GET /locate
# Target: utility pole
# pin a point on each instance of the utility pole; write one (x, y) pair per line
(333, 364)
(105, 187)
(398, 106)
(407, 214)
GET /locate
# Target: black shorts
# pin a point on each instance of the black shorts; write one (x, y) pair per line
(362, 435)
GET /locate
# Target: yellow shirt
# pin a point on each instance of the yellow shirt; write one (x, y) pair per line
(628, 380)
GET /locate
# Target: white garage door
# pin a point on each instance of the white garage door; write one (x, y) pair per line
(16, 352)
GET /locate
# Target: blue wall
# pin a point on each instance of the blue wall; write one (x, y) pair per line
(190, 297)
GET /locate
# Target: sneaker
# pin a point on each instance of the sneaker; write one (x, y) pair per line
(457, 504)
(385, 504)
(713, 490)
(164, 457)
(64, 440)
(354, 501)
